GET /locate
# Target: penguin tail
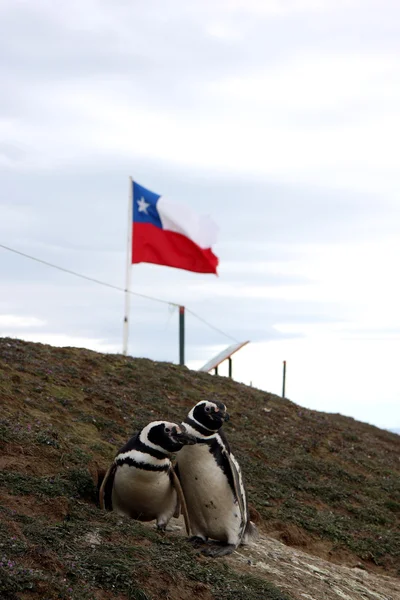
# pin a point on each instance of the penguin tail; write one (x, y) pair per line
(250, 533)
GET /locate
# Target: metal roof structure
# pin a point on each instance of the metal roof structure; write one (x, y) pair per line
(224, 355)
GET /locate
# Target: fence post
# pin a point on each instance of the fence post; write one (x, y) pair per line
(284, 379)
(230, 367)
(181, 335)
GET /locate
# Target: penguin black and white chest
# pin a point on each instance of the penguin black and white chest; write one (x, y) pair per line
(212, 483)
(140, 481)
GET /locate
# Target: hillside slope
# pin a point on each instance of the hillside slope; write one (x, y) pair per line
(325, 484)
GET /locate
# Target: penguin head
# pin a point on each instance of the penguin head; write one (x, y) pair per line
(210, 414)
(165, 436)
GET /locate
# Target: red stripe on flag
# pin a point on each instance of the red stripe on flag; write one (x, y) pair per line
(150, 244)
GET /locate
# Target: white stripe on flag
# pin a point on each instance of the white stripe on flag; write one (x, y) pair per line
(182, 219)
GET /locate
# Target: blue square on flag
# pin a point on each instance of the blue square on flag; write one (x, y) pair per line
(145, 206)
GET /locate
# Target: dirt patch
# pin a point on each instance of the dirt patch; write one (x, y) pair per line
(55, 509)
(291, 535)
(30, 458)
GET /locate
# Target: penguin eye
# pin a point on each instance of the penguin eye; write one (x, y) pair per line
(167, 430)
(207, 408)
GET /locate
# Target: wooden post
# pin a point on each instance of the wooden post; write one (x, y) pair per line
(284, 379)
(181, 335)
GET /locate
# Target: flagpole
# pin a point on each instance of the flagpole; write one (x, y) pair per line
(128, 269)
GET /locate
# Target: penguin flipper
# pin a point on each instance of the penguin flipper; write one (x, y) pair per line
(238, 488)
(176, 469)
(105, 494)
(181, 503)
(177, 512)
(238, 485)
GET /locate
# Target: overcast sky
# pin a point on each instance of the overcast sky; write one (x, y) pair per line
(279, 118)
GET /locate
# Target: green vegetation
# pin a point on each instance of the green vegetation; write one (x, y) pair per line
(91, 550)
(64, 412)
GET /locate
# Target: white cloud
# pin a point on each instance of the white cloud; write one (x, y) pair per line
(270, 113)
(359, 277)
(11, 321)
(309, 85)
(269, 8)
(329, 115)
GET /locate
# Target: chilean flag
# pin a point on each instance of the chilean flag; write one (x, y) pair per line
(167, 233)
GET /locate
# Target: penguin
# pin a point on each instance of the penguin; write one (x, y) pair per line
(141, 482)
(212, 484)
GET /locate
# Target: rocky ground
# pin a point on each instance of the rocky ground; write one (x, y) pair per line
(307, 577)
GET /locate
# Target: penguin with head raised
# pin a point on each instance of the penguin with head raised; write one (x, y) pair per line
(141, 482)
(212, 483)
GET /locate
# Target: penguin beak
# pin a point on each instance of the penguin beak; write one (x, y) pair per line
(184, 437)
(219, 413)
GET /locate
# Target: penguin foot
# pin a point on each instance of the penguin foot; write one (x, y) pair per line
(218, 549)
(197, 541)
(161, 527)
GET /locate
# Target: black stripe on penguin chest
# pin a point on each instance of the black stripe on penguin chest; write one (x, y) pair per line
(198, 427)
(141, 465)
(220, 457)
(136, 444)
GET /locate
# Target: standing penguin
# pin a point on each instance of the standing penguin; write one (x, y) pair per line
(212, 483)
(141, 481)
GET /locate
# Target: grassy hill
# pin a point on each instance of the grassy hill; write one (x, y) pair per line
(321, 482)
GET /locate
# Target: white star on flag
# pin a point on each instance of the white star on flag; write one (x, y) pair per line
(143, 205)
